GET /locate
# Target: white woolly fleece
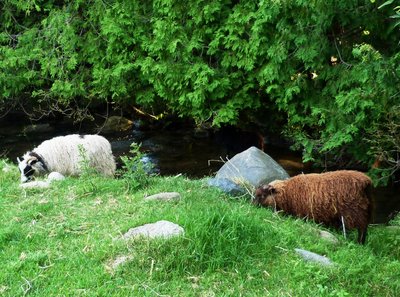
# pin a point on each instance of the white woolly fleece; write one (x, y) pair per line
(62, 154)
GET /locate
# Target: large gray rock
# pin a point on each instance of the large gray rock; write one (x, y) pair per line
(227, 185)
(251, 167)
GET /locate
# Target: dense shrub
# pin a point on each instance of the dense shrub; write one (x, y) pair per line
(326, 72)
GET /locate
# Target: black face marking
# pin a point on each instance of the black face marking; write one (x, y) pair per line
(38, 159)
(28, 171)
(33, 154)
(33, 162)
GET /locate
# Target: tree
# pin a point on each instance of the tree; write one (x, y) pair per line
(322, 72)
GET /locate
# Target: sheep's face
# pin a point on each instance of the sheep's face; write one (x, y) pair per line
(29, 166)
(264, 195)
(26, 168)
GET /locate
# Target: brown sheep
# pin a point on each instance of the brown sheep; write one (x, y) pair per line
(328, 198)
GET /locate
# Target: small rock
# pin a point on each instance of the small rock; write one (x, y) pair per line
(3, 289)
(166, 196)
(116, 124)
(313, 257)
(119, 261)
(329, 237)
(55, 176)
(35, 184)
(160, 229)
(38, 128)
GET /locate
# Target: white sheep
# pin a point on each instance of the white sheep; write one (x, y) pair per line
(65, 154)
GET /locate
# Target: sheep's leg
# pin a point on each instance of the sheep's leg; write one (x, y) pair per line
(362, 235)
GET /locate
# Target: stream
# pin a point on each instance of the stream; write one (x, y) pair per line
(181, 150)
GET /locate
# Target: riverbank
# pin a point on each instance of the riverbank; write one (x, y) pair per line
(176, 149)
(64, 240)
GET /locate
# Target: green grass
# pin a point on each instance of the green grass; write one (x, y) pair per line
(61, 241)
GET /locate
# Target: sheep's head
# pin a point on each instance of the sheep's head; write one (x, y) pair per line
(265, 194)
(30, 165)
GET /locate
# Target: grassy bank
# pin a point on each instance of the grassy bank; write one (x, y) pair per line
(62, 241)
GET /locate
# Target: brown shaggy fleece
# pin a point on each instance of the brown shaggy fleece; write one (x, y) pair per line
(325, 198)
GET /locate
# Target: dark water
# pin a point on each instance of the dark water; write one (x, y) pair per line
(180, 150)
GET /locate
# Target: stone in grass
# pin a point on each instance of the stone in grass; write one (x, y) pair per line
(160, 229)
(35, 185)
(119, 261)
(166, 196)
(314, 258)
(328, 237)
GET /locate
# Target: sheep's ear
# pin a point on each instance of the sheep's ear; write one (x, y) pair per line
(19, 160)
(271, 189)
(32, 161)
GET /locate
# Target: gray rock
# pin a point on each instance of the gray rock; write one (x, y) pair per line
(35, 184)
(160, 229)
(121, 260)
(314, 258)
(116, 124)
(329, 237)
(227, 185)
(38, 128)
(251, 167)
(166, 196)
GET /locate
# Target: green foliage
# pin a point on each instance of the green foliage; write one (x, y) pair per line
(9, 173)
(329, 70)
(396, 221)
(135, 171)
(396, 9)
(86, 168)
(384, 141)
